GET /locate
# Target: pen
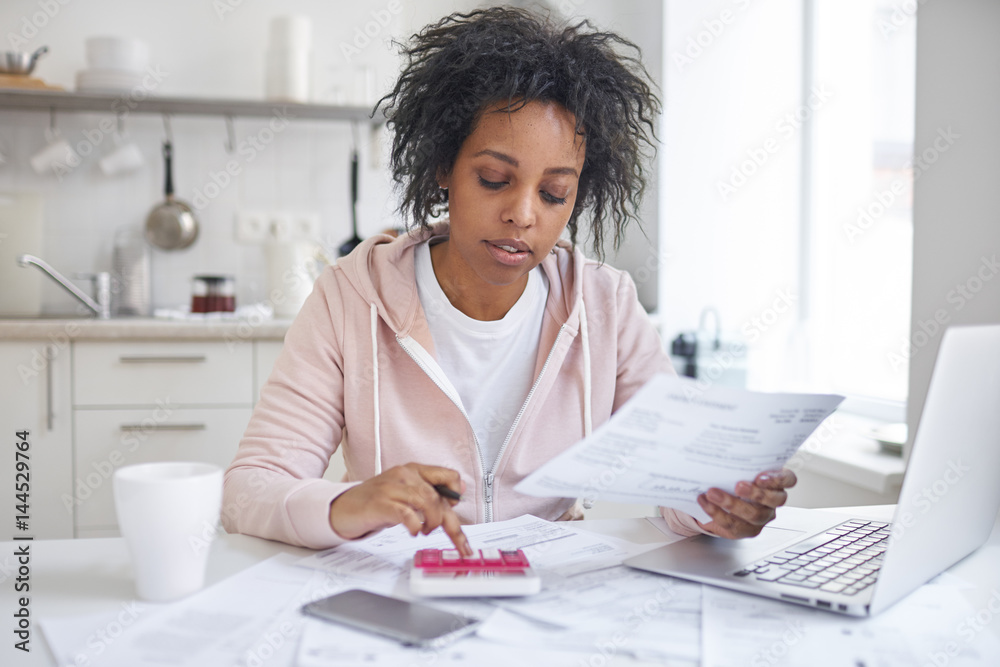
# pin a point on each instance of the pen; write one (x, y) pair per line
(446, 492)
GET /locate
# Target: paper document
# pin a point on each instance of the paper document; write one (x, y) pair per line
(386, 556)
(931, 626)
(676, 438)
(219, 625)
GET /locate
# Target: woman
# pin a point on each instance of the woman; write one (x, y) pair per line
(466, 353)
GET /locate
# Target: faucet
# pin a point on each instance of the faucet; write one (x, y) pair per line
(102, 283)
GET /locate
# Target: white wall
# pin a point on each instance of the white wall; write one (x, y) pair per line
(956, 239)
(205, 52)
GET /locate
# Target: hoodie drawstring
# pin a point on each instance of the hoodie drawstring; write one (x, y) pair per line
(378, 439)
(588, 422)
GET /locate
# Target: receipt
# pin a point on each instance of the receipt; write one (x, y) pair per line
(676, 438)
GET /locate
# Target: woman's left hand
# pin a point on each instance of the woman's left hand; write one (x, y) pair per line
(747, 512)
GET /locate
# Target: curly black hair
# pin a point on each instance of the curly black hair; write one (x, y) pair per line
(466, 63)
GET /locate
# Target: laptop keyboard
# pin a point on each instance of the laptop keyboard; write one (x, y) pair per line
(844, 559)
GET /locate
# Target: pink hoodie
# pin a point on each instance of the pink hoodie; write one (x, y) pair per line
(353, 373)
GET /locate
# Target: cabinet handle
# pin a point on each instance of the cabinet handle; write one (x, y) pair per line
(162, 359)
(50, 416)
(162, 427)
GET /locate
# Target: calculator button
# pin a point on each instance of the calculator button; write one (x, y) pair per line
(515, 558)
(428, 557)
(491, 556)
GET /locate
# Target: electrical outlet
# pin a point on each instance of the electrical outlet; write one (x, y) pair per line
(282, 226)
(305, 226)
(279, 227)
(251, 226)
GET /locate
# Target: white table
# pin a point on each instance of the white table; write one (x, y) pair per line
(85, 576)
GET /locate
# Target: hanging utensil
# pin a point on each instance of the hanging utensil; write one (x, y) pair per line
(355, 240)
(171, 225)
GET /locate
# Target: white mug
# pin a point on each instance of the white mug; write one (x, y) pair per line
(168, 514)
(57, 156)
(123, 158)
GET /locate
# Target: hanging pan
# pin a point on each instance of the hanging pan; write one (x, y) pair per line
(171, 225)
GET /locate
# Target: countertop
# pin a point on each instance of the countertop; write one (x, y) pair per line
(209, 328)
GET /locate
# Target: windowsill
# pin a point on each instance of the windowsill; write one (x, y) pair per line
(845, 453)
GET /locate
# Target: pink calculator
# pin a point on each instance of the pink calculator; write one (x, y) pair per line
(488, 573)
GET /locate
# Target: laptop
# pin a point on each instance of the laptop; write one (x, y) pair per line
(851, 565)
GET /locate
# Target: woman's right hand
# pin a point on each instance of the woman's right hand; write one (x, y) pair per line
(404, 494)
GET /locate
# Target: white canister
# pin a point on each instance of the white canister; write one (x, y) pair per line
(288, 64)
(292, 268)
(288, 75)
(291, 33)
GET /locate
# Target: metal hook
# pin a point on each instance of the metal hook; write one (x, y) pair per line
(52, 120)
(120, 124)
(166, 128)
(709, 310)
(230, 135)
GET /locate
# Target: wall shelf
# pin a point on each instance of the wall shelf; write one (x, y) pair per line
(114, 103)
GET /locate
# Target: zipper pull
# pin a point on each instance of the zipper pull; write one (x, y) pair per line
(489, 487)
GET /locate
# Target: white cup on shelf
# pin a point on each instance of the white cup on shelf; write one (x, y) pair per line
(57, 155)
(168, 514)
(124, 157)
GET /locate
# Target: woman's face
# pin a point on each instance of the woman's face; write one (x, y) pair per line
(510, 194)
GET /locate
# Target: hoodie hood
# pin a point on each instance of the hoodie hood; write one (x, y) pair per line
(381, 269)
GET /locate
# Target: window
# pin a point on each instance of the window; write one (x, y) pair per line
(787, 189)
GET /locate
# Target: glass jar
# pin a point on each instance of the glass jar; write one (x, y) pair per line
(213, 294)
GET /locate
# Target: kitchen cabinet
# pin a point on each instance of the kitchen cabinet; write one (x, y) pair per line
(143, 401)
(35, 397)
(95, 395)
(108, 438)
(95, 404)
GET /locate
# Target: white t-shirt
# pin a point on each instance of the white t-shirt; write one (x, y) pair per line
(490, 364)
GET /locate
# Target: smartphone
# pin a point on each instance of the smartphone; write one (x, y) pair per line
(410, 623)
